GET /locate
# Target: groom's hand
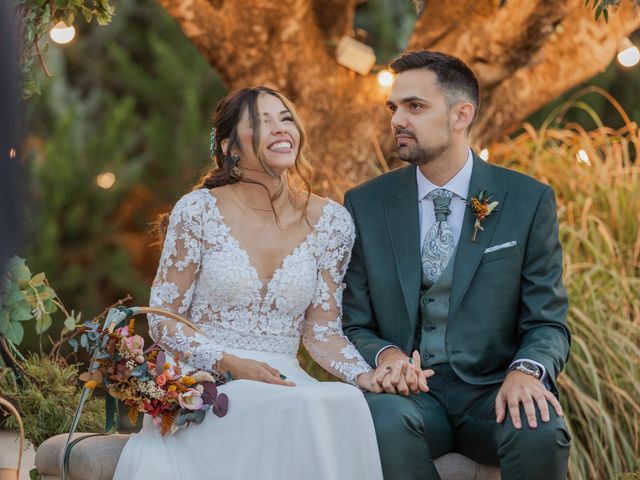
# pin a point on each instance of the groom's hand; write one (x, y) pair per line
(519, 388)
(397, 373)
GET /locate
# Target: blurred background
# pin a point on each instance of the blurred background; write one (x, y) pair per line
(121, 130)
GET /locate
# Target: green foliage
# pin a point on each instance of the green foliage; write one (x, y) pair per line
(601, 7)
(596, 178)
(25, 297)
(39, 16)
(107, 111)
(386, 25)
(47, 401)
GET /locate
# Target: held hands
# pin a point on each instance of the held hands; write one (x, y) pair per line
(246, 369)
(397, 373)
(519, 388)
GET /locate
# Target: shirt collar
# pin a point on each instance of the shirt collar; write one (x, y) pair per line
(459, 184)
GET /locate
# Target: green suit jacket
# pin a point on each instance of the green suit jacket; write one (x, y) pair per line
(505, 304)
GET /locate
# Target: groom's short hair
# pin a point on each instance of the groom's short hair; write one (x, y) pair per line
(454, 76)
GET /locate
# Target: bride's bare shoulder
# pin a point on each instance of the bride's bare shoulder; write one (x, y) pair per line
(316, 206)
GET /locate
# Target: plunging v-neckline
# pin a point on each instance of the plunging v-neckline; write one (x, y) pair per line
(265, 284)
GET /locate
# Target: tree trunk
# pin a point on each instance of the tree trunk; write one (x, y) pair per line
(525, 54)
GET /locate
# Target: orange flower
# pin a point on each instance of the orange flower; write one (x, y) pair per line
(161, 379)
(188, 381)
(482, 208)
(91, 384)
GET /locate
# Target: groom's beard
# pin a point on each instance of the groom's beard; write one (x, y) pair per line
(418, 155)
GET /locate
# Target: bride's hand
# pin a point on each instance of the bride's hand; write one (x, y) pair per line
(246, 369)
(368, 382)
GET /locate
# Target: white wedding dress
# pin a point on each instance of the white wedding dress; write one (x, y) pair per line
(313, 431)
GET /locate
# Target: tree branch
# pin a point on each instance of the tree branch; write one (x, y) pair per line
(580, 49)
(494, 41)
(334, 17)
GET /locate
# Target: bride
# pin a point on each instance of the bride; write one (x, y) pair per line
(257, 262)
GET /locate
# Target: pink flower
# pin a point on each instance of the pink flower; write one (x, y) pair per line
(191, 399)
(123, 331)
(135, 344)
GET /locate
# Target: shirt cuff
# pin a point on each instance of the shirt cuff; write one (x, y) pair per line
(543, 378)
(382, 350)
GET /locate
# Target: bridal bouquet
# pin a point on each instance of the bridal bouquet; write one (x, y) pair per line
(145, 381)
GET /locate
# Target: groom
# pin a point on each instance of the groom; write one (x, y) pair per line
(457, 269)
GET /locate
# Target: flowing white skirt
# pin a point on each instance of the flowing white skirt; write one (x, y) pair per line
(313, 431)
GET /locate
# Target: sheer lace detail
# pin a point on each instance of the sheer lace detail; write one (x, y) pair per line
(206, 276)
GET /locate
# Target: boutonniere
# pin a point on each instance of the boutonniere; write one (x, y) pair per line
(482, 208)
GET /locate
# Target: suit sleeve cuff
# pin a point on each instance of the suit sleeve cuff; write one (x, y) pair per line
(383, 349)
(544, 378)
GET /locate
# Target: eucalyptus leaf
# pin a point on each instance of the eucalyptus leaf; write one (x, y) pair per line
(38, 279)
(70, 323)
(21, 312)
(50, 306)
(47, 294)
(14, 332)
(14, 263)
(140, 370)
(43, 323)
(12, 296)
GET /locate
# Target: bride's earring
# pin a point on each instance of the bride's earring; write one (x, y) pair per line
(235, 169)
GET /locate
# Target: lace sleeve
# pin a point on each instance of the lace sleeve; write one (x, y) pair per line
(322, 329)
(174, 284)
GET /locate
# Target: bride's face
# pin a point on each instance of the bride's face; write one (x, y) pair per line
(279, 138)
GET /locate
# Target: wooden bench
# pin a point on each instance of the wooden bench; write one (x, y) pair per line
(96, 458)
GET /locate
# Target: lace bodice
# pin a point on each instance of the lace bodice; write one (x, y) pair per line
(206, 276)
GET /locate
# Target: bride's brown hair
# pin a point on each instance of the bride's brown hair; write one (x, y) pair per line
(225, 122)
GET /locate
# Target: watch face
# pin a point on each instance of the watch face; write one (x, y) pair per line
(529, 367)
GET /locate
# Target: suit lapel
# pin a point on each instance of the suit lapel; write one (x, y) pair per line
(401, 213)
(468, 253)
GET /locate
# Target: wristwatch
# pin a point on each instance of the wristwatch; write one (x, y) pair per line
(527, 367)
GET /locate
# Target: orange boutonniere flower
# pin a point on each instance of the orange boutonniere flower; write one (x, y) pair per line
(482, 208)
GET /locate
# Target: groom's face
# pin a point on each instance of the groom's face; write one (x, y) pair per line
(420, 119)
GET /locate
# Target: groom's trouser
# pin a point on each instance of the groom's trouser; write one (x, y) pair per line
(455, 416)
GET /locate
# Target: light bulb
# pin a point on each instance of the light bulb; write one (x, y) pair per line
(629, 55)
(583, 157)
(106, 180)
(385, 78)
(62, 34)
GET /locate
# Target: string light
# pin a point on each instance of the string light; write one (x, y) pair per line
(385, 78)
(106, 180)
(12, 153)
(628, 55)
(583, 157)
(62, 34)
(484, 154)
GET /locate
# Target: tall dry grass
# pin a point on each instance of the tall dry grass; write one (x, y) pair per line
(596, 177)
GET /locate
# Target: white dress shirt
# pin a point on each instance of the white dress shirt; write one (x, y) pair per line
(459, 186)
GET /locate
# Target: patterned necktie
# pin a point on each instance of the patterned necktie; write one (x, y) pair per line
(438, 243)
